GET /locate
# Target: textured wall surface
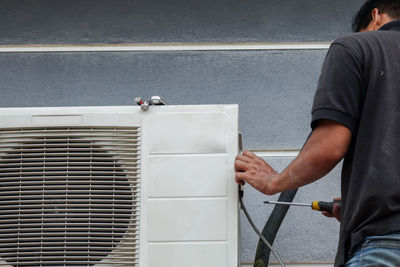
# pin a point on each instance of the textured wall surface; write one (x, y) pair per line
(305, 235)
(148, 21)
(263, 83)
(274, 88)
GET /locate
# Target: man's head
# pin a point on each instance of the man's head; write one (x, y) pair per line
(375, 13)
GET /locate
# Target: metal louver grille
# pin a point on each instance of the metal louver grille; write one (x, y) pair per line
(69, 196)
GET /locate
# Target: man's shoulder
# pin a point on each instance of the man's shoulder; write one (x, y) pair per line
(366, 40)
(356, 39)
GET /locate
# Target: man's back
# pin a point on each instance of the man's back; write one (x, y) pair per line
(360, 88)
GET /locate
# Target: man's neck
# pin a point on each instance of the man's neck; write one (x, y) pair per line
(385, 19)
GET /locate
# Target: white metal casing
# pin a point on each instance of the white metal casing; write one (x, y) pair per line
(188, 199)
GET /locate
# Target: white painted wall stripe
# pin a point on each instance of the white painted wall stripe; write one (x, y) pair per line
(163, 47)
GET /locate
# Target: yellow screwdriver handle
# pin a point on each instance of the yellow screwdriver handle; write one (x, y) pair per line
(325, 206)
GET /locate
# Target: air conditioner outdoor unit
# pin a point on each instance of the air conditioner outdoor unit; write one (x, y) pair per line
(116, 186)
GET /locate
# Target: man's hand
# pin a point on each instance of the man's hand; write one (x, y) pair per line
(255, 171)
(326, 146)
(336, 210)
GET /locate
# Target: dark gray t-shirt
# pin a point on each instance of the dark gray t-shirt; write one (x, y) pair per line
(359, 87)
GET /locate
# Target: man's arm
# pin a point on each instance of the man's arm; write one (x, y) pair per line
(326, 146)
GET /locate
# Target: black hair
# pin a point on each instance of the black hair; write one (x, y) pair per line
(364, 15)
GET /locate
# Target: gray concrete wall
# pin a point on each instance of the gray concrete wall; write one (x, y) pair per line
(305, 235)
(274, 88)
(149, 21)
(264, 83)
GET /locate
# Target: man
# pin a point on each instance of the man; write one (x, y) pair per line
(355, 116)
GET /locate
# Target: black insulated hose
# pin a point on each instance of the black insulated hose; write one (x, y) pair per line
(271, 228)
(273, 224)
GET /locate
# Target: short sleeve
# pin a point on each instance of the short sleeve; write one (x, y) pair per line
(339, 93)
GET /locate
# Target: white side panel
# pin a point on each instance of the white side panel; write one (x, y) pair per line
(188, 176)
(188, 133)
(187, 220)
(190, 199)
(188, 255)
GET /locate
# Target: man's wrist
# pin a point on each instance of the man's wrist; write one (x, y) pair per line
(271, 187)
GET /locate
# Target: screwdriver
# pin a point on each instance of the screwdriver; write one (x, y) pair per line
(315, 205)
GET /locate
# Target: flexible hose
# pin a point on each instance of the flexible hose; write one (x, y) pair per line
(271, 229)
(273, 224)
(262, 238)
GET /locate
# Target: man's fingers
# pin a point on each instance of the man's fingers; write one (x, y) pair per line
(243, 158)
(327, 214)
(249, 154)
(240, 178)
(335, 212)
(241, 166)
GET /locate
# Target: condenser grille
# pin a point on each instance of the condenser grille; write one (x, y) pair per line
(69, 196)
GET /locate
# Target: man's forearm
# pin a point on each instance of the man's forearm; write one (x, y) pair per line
(325, 148)
(305, 168)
